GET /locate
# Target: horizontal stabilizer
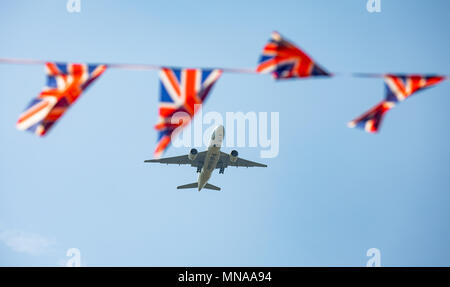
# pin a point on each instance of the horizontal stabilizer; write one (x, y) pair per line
(195, 185)
(210, 186)
(190, 185)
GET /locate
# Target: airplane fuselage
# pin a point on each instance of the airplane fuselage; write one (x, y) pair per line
(212, 157)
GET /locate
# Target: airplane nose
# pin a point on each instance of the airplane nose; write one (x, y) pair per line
(220, 129)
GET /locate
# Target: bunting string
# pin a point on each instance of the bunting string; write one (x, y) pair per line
(150, 67)
(125, 66)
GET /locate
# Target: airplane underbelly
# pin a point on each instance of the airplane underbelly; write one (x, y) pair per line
(209, 165)
(205, 176)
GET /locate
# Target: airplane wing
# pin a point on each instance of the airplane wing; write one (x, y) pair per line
(182, 159)
(225, 161)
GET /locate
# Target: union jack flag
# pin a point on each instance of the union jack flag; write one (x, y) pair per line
(181, 91)
(65, 83)
(284, 60)
(398, 88)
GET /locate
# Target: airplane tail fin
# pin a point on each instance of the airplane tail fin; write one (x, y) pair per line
(195, 185)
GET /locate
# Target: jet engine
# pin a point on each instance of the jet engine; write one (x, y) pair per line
(192, 154)
(234, 156)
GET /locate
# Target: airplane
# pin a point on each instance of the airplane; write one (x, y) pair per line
(208, 160)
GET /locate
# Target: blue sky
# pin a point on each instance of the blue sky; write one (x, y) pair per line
(331, 193)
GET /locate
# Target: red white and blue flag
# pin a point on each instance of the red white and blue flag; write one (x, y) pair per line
(181, 91)
(398, 88)
(284, 60)
(65, 83)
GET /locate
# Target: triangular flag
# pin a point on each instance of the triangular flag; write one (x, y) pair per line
(284, 60)
(65, 84)
(181, 91)
(398, 88)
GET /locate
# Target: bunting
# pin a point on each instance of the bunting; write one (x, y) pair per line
(65, 83)
(181, 91)
(284, 60)
(398, 89)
